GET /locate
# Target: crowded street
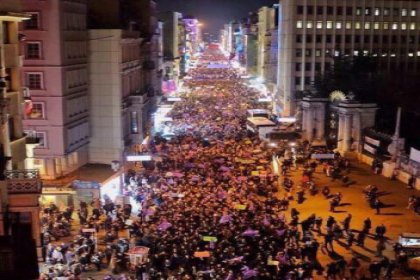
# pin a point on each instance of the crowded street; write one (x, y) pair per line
(218, 201)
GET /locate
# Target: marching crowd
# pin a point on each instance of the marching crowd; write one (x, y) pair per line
(212, 209)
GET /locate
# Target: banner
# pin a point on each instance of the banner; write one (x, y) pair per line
(415, 155)
(322, 156)
(370, 149)
(372, 141)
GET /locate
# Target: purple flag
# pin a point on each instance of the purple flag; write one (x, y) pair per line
(225, 219)
(164, 226)
(250, 232)
(280, 232)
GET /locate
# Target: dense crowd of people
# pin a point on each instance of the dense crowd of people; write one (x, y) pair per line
(211, 209)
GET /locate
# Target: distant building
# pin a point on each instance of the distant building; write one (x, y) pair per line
(119, 104)
(313, 32)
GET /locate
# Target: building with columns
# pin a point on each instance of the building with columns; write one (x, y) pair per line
(339, 121)
(55, 74)
(313, 32)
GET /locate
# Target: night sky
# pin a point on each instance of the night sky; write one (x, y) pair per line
(214, 13)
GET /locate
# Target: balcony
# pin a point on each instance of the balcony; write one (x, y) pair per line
(25, 181)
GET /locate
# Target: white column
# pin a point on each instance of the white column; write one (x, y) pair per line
(340, 132)
(310, 125)
(347, 132)
(304, 119)
(320, 124)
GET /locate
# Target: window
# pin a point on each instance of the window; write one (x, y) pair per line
(411, 39)
(336, 53)
(375, 39)
(338, 39)
(298, 67)
(396, 12)
(386, 25)
(317, 66)
(347, 39)
(134, 123)
(367, 25)
(310, 10)
(404, 12)
(387, 12)
(367, 39)
(367, 11)
(338, 25)
(298, 53)
(307, 66)
(42, 139)
(33, 50)
(339, 11)
(385, 39)
(348, 25)
(330, 10)
(299, 24)
(394, 39)
(309, 24)
(358, 11)
(413, 26)
(394, 26)
(413, 12)
(297, 81)
(308, 38)
(349, 11)
(300, 10)
(376, 25)
(356, 53)
(298, 38)
(32, 23)
(320, 10)
(403, 39)
(318, 52)
(319, 25)
(357, 25)
(318, 38)
(329, 24)
(307, 80)
(308, 52)
(377, 12)
(37, 111)
(328, 39)
(34, 80)
(357, 39)
(403, 26)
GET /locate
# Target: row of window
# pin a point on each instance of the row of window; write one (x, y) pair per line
(358, 11)
(307, 80)
(356, 25)
(77, 106)
(78, 134)
(347, 52)
(76, 49)
(74, 22)
(76, 78)
(348, 39)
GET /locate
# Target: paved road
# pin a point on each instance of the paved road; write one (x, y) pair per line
(394, 216)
